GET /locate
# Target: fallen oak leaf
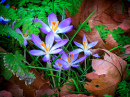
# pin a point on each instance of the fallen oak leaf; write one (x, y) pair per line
(76, 95)
(107, 75)
(64, 89)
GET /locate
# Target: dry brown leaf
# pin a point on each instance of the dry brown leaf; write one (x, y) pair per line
(109, 13)
(65, 91)
(31, 91)
(107, 75)
(13, 89)
(127, 51)
(5, 94)
(77, 95)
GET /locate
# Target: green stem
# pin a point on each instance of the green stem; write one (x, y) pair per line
(25, 54)
(85, 63)
(59, 76)
(52, 74)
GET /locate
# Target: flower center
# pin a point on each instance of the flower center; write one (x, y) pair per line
(59, 63)
(85, 44)
(70, 58)
(54, 25)
(26, 34)
(43, 44)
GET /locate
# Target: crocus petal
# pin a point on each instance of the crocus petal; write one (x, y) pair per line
(84, 39)
(79, 60)
(76, 51)
(96, 55)
(92, 44)
(45, 29)
(59, 44)
(37, 41)
(57, 37)
(78, 44)
(4, 22)
(1, 18)
(25, 42)
(19, 31)
(52, 17)
(62, 62)
(37, 52)
(65, 29)
(2, 1)
(56, 67)
(49, 38)
(64, 56)
(66, 67)
(7, 5)
(55, 51)
(46, 58)
(75, 65)
(75, 57)
(87, 52)
(64, 23)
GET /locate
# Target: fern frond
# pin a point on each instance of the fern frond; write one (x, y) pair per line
(15, 63)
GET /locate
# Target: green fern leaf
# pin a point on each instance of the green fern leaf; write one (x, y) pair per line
(15, 63)
(12, 33)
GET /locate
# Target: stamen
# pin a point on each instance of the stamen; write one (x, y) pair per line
(85, 44)
(70, 58)
(26, 34)
(72, 55)
(54, 25)
(43, 44)
(48, 46)
(59, 64)
(61, 58)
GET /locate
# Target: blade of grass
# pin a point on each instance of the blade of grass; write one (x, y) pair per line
(79, 29)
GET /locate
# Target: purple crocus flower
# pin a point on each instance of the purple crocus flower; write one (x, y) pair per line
(55, 26)
(85, 47)
(47, 48)
(68, 60)
(57, 65)
(3, 20)
(25, 36)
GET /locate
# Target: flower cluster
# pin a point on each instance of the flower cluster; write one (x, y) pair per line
(67, 60)
(55, 26)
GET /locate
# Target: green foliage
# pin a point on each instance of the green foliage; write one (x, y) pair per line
(16, 64)
(4, 71)
(7, 30)
(7, 74)
(107, 95)
(124, 89)
(116, 34)
(53, 95)
(128, 58)
(85, 27)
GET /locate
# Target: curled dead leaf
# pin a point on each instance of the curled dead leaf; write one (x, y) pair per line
(107, 75)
